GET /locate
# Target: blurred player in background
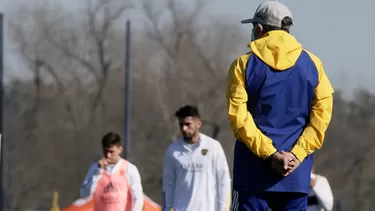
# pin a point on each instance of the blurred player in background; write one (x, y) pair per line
(195, 175)
(113, 182)
(279, 106)
(320, 197)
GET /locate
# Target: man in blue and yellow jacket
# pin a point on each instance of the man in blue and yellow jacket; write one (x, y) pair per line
(279, 106)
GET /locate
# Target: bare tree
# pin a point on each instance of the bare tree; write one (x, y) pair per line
(194, 58)
(75, 59)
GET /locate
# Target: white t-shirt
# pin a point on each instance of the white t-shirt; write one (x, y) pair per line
(196, 177)
(133, 177)
(321, 195)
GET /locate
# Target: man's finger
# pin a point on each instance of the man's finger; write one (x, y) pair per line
(289, 171)
(286, 162)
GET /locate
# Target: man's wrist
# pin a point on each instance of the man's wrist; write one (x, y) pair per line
(294, 155)
(269, 159)
(268, 152)
(299, 153)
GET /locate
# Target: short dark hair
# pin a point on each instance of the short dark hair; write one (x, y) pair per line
(186, 111)
(286, 23)
(111, 139)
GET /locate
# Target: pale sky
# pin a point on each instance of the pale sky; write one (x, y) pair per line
(339, 32)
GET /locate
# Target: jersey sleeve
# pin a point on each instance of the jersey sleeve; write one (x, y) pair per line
(223, 181)
(241, 121)
(313, 135)
(136, 188)
(169, 178)
(92, 177)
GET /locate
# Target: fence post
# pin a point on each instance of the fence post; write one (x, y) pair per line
(127, 129)
(2, 192)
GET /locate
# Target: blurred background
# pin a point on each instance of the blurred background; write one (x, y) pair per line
(64, 81)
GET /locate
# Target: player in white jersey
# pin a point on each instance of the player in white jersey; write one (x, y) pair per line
(196, 175)
(320, 197)
(113, 182)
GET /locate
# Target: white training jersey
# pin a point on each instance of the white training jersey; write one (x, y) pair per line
(196, 177)
(133, 177)
(320, 197)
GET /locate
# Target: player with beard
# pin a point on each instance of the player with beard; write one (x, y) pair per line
(196, 174)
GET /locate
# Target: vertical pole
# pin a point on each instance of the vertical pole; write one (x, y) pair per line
(10, 148)
(1, 113)
(127, 134)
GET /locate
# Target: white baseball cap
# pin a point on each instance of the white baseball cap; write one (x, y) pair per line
(270, 13)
